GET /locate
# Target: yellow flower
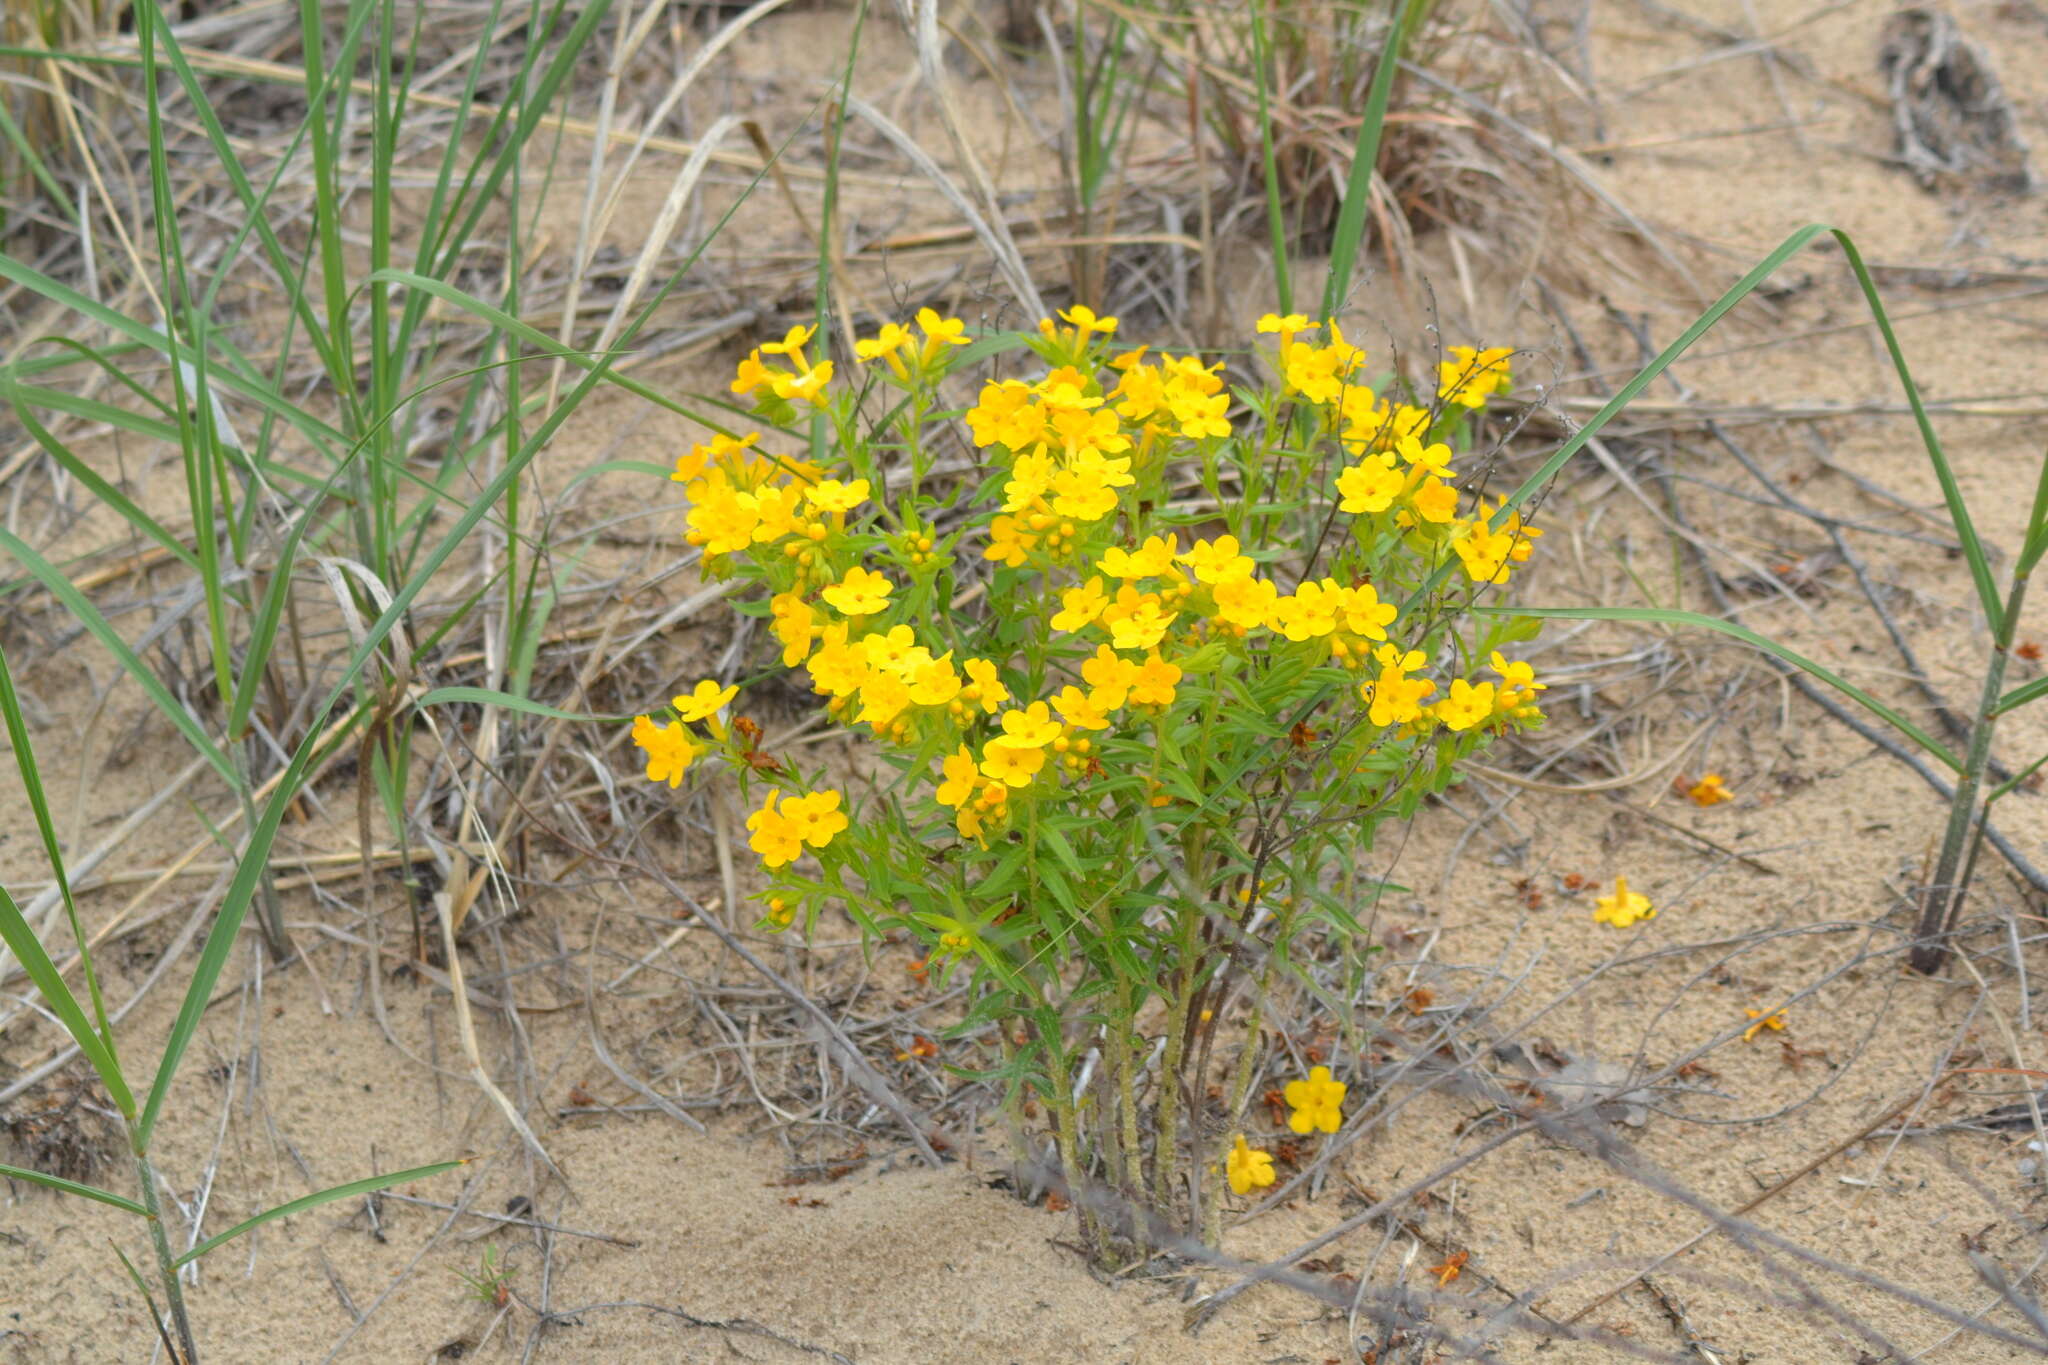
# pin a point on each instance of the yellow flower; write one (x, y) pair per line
(1014, 764)
(1465, 706)
(1287, 327)
(1369, 486)
(817, 816)
(830, 495)
(669, 749)
(1079, 709)
(883, 695)
(1085, 321)
(1080, 605)
(1363, 613)
(1710, 790)
(1249, 1168)
(721, 518)
(1774, 1020)
(1156, 681)
(1394, 696)
(961, 779)
(751, 374)
(704, 701)
(1624, 907)
(1009, 541)
(1470, 376)
(792, 343)
(1435, 501)
(795, 624)
(776, 836)
(1218, 560)
(934, 683)
(1152, 560)
(1031, 728)
(860, 593)
(1243, 603)
(1083, 493)
(939, 333)
(892, 338)
(775, 512)
(985, 686)
(1316, 1102)
(1137, 620)
(1110, 676)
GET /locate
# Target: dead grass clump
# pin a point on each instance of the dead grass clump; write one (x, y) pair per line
(62, 1128)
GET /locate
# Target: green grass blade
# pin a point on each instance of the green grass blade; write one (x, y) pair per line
(367, 1185)
(2021, 695)
(63, 1186)
(1958, 510)
(484, 696)
(89, 616)
(105, 493)
(28, 951)
(1276, 219)
(1666, 616)
(1365, 159)
(39, 806)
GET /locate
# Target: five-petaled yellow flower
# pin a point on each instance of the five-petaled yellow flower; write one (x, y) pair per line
(1774, 1020)
(704, 701)
(1624, 907)
(1316, 1102)
(860, 593)
(1249, 1168)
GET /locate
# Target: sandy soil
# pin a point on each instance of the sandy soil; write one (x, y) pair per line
(782, 1233)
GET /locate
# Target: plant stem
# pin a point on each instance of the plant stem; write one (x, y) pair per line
(1943, 895)
(160, 1240)
(1067, 1123)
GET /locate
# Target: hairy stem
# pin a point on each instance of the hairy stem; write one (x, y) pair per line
(160, 1241)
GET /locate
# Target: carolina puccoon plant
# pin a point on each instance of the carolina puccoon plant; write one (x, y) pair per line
(1136, 688)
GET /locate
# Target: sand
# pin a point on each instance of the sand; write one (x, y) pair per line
(782, 1233)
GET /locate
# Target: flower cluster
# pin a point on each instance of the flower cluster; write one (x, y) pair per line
(1169, 629)
(668, 743)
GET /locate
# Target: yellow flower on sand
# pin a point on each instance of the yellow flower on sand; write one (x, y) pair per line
(1774, 1020)
(1248, 1167)
(860, 593)
(1710, 790)
(1316, 1102)
(1624, 907)
(704, 701)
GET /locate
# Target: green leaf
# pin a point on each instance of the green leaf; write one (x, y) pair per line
(63, 1186)
(367, 1185)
